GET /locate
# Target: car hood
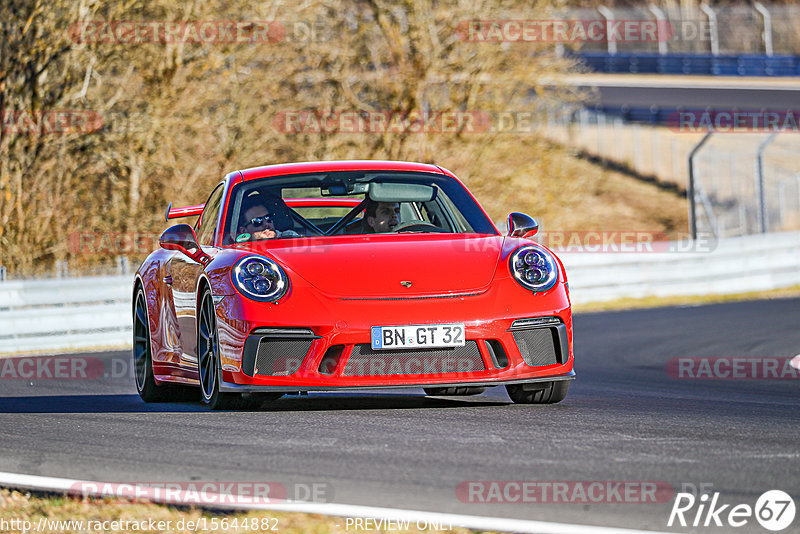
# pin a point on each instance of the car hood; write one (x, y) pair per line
(374, 266)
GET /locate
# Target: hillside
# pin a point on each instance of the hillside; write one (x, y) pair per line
(105, 121)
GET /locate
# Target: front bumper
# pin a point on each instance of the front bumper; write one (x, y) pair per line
(247, 388)
(313, 342)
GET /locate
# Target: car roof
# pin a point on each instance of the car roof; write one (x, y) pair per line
(333, 166)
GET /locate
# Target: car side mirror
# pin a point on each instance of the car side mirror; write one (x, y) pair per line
(182, 238)
(521, 225)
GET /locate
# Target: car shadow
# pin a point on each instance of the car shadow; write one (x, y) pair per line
(124, 403)
(90, 404)
(342, 402)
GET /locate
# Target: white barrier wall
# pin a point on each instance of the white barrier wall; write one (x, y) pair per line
(735, 265)
(65, 313)
(80, 313)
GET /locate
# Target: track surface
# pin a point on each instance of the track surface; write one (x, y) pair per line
(624, 419)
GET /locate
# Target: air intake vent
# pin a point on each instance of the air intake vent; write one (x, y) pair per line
(276, 351)
(538, 346)
(278, 357)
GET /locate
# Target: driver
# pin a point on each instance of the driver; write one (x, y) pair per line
(381, 217)
(258, 220)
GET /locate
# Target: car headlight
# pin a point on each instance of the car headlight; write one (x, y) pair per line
(534, 268)
(260, 278)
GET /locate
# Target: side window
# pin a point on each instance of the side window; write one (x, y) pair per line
(431, 213)
(208, 220)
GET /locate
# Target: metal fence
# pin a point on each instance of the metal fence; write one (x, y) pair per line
(744, 183)
(696, 27)
(95, 312)
(749, 183)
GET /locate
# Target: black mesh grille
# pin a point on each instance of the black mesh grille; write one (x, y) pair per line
(537, 346)
(281, 356)
(367, 362)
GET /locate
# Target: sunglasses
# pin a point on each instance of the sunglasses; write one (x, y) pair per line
(260, 221)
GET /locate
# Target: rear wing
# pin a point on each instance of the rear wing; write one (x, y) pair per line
(187, 211)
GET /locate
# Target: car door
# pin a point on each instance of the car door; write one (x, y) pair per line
(185, 273)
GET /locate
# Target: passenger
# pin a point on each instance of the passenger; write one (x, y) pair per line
(264, 217)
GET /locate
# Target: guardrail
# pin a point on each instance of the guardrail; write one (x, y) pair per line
(94, 312)
(736, 265)
(65, 313)
(697, 64)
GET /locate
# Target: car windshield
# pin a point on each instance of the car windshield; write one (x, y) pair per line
(351, 203)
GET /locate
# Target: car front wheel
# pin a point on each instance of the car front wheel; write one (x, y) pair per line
(208, 359)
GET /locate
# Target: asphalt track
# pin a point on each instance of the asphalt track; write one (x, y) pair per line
(624, 419)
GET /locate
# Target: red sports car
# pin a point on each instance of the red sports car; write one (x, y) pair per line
(349, 275)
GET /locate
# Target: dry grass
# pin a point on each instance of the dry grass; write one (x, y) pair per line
(563, 191)
(177, 117)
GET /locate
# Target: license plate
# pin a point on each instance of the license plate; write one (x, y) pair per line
(417, 336)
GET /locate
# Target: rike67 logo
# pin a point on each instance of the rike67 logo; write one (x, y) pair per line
(774, 510)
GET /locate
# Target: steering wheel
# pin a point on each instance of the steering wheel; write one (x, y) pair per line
(418, 226)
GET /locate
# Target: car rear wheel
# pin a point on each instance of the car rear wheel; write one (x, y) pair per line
(208, 360)
(538, 393)
(453, 391)
(146, 385)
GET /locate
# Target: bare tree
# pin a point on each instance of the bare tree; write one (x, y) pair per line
(165, 120)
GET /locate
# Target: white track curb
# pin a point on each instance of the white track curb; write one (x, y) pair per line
(67, 485)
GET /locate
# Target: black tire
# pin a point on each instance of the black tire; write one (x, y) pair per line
(454, 391)
(540, 393)
(142, 354)
(208, 360)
